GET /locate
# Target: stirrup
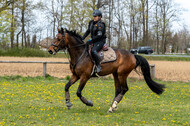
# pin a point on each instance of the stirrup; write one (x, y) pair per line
(98, 69)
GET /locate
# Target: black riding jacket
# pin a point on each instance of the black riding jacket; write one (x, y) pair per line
(97, 30)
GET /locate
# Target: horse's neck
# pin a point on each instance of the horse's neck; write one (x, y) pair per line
(75, 53)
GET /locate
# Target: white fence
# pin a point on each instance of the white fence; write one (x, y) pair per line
(152, 66)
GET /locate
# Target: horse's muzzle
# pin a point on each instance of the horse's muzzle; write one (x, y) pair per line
(50, 51)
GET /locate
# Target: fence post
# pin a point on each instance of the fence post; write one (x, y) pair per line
(152, 70)
(44, 69)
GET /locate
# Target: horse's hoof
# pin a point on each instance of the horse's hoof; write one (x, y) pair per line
(110, 110)
(89, 103)
(69, 108)
(69, 105)
(115, 108)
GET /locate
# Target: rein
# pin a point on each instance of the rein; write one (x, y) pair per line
(77, 46)
(73, 66)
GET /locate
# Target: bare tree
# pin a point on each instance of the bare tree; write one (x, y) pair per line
(175, 42)
(168, 13)
(183, 40)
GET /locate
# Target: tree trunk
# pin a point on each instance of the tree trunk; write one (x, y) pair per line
(98, 4)
(54, 19)
(93, 4)
(133, 41)
(147, 37)
(163, 29)
(143, 22)
(12, 25)
(28, 40)
(17, 43)
(131, 24)
(25, 42)
(23, 23)
(157, 30)
(109, 24)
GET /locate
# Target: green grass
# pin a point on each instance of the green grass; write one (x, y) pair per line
(28, 52)
(39, 101)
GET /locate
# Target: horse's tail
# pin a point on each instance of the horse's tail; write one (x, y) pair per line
(155, 87)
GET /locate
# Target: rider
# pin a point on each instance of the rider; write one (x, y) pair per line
(97, 29)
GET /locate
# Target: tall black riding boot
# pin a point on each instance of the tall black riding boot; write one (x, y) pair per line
(97, 61)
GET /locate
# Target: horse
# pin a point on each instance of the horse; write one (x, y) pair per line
(81, 66)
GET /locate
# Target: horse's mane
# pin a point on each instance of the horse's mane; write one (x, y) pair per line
(75, 35)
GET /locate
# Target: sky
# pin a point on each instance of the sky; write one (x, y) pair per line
(185, 14)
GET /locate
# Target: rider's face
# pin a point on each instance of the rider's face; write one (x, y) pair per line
(96, 18)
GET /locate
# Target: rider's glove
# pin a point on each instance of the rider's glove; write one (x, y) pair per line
(89, 42)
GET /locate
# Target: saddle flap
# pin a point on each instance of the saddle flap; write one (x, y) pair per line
(106, 54)
(109, 55)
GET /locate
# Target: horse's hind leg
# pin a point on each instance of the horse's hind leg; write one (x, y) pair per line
(117, 84)
(118, 98)
(67, 86)
(117, 90)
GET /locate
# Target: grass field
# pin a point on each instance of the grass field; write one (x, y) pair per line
(36, 101)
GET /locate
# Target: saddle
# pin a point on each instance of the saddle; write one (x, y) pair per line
(106, 54)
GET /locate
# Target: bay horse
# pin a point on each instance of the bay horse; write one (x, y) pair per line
(81, 67)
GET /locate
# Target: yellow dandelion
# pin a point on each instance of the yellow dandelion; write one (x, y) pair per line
(76, 114)
(143, 122)
(173, 121)
(164, 119)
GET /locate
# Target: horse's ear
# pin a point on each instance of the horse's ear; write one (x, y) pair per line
(58, 30)
(62, 30)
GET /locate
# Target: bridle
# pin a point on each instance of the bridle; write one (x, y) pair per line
(73, 66)
(61, 42)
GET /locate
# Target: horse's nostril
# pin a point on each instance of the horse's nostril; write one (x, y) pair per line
(51, 52)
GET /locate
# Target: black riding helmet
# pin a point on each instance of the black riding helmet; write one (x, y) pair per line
(97, 13)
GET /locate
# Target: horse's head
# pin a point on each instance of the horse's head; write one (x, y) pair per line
(66, 39)
(58, 43)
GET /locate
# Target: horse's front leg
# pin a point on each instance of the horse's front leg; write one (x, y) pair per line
(67, 86)
(83, 81)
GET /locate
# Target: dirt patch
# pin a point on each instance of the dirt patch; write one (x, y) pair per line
(170, 70)
(165, 70)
